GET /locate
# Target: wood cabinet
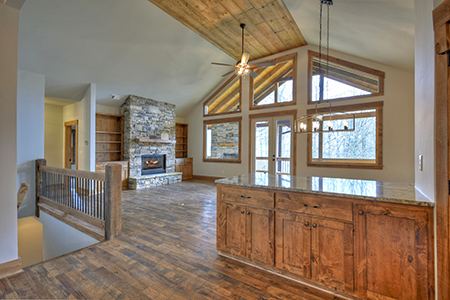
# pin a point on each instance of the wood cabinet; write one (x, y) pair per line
(392, 252)
(365, 249)
(246, 230)
(184, 165)
(108, 137)
(181, 135)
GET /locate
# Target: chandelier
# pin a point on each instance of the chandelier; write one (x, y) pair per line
(329, 121)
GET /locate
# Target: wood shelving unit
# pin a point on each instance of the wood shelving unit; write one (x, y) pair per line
(181, 135)
(108, 137)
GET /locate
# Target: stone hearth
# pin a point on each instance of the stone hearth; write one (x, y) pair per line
(147, 119)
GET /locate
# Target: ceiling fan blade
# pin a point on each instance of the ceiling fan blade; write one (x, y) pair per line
(245, 57)
(264, 64)
(228, 73)
(253, 74)
(221, 64)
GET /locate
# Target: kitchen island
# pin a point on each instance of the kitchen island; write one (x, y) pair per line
(360, 239)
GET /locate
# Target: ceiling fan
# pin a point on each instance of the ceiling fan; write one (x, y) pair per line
(242, 68)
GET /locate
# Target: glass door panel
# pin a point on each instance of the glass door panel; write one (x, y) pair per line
(262, 146)
(272, 145)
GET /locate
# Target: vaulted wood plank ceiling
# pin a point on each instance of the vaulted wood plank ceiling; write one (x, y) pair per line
(270, 26)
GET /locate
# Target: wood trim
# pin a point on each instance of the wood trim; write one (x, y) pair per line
(375, 72)
(218, 121)
(89, 229)
(67, 125)
(209, 178)
(155, 141)
(441, 17)
(74, 173)
(292, 112)
(284, 58)
(351, 163)
(10, 268)
(218, 91)
(70, 211)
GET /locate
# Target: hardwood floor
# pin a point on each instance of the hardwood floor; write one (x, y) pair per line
(167, 250)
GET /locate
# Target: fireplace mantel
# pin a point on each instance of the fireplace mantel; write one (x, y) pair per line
(155, 141)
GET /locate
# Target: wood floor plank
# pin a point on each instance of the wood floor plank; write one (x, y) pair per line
(167, 250)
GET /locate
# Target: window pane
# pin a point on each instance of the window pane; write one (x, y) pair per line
(285, 91)
(334, 89)
(262, 165)
(262, 139)
(358, 144)
(226, 100)
(274, 84)
(222, 140)
(284, 138)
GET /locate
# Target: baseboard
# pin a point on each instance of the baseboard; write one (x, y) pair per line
(209, 178)
(10, 268)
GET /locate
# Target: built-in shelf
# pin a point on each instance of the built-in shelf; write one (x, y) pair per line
(117, 151)
(109, 142)
(181, 134)
(108, 137)
(109, 132)
(155, 141)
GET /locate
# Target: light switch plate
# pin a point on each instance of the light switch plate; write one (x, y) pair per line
(420, 162)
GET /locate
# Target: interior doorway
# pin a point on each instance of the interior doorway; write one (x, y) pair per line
(71, 145)
(273, 144)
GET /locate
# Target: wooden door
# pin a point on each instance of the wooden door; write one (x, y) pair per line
(391, 253)
(332, 254)
(231, 229)
(260, 239)
(71, 145)
(293, 243)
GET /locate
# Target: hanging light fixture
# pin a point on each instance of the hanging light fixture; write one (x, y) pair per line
(324, 122)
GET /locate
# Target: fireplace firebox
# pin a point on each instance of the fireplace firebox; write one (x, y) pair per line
(153, 164)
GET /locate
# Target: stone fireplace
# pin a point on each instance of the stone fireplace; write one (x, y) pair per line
(149, 136)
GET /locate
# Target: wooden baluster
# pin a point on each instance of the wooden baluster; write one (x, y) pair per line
(39, 182)
(113, 201)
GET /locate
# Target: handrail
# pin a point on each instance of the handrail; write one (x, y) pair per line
(74, 173)
(94, 199)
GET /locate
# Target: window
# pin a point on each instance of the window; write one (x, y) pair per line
(275, 85)
(361, 148)
(222, 140)
(227, 98)
(342, 80)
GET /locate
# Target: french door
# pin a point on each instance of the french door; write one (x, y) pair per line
(273, 145)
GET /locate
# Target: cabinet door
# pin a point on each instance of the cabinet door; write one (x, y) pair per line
(231, 229)
(332, 254)
(260, 235)
(391, 253)
(293, 243)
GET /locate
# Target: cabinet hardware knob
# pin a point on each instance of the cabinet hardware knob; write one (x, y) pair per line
(306, 224)
(361, 212)
(248, 213)
(315, 206)
(312, 259)
(305, 204)
(314, 225)
(242, 211)
(410, 258)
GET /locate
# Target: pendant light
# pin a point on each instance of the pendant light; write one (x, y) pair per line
(323, 122)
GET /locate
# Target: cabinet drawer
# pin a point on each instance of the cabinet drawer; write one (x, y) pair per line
(315, 205)
(248, 196)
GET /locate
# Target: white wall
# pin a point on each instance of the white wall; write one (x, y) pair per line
(9, 30)
(30, 134)
(106, 109)
(54, 136)
(60, 238)
(84, 112)
(398, 127)
(424, 97)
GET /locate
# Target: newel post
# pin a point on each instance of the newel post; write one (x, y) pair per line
(39, 182)
(113, 201)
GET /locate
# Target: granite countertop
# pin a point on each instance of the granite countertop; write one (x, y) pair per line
(393, 192)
